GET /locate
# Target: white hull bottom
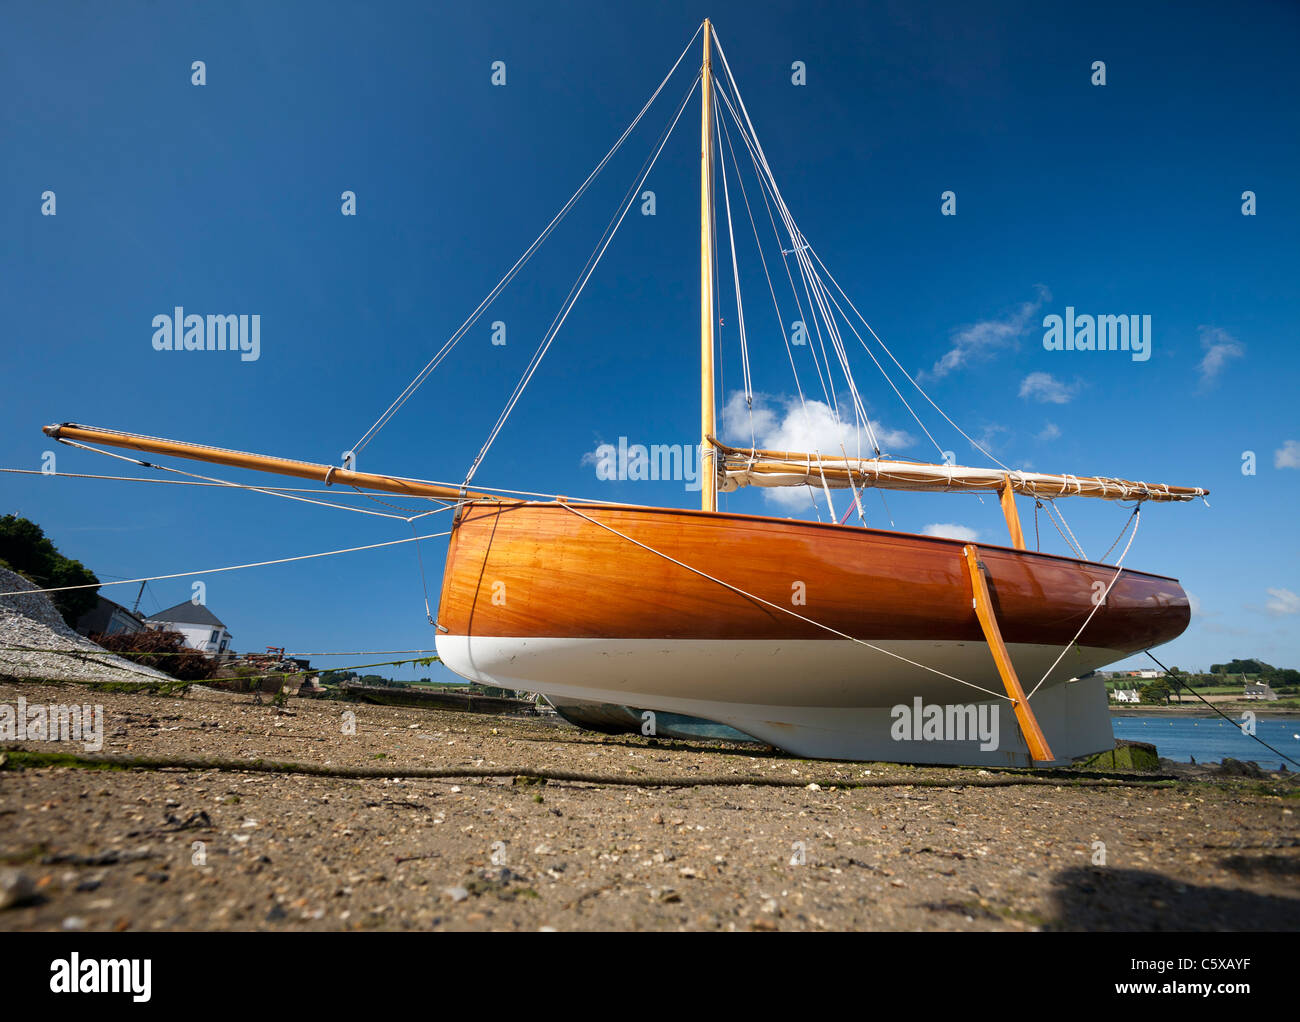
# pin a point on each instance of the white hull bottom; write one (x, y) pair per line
(824, 699)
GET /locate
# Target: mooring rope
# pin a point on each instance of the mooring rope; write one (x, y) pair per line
(23, 759)
(1234, 723)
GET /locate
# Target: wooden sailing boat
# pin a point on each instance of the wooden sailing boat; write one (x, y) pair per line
(691, 611)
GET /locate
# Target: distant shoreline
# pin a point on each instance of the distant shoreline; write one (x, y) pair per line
(1233, 710)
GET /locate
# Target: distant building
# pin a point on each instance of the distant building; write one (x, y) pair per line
(1126, 695)
(1260, 690)
(109, 618)
(311, 686)
(200, 628)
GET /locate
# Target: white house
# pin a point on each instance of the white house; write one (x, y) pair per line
(200, 628)
(1126, 695)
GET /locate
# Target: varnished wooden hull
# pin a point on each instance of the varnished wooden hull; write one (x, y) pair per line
(536, 596)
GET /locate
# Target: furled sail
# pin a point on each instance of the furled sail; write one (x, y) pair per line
(739, 467)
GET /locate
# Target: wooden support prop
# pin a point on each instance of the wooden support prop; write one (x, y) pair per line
(1008, 498)
(1034, 737)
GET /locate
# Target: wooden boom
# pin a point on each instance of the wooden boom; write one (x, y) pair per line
(327, 474)
(745, 467)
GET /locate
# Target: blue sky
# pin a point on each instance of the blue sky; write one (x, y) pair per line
(225, 198)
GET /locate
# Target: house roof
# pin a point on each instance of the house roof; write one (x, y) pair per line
(98, 617)
(188, 613)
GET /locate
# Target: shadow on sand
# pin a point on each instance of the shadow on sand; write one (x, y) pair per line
(1134, 900)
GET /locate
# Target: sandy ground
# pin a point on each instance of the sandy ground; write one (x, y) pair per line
(926, 848)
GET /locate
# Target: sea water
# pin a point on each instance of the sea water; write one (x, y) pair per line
(1212, 739)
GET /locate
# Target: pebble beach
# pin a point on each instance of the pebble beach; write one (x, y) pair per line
(212, 811)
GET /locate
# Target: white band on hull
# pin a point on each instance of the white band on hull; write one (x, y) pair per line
(828, 699)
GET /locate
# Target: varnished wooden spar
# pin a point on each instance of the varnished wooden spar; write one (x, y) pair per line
(327, 474)
(539, 570)
(745, 467)
(708, 475)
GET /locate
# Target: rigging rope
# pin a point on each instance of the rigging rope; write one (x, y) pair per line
(232, 567)
(212, 480)
(747, 381)
(777, 606)
(763, 259)
(848, 301)
(173, 482)
(1234, 723)
(1070, 540)
(794, 291)
(433, 363)
(1097, 603)
(812, 283)
(575, 292)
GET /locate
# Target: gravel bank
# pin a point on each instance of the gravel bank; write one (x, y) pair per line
(31, 622)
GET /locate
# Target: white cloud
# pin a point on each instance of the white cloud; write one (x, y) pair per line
(1220, 346)
(1047, 388)
(1287, 456)
(982, 340)
(1283, 602)
(988, 438)
(785, 424)
(1050, 432)
(947, 530)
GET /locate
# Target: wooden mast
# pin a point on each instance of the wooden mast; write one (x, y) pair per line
(708, 465)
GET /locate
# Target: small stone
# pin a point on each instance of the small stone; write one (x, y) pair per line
(74, 923)
(814, 787)
(455, 893)
(16, 888)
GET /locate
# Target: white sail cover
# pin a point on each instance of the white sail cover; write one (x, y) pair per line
(738, 467)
